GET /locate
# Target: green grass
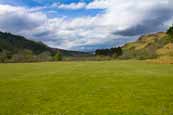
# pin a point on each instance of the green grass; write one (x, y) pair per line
(86, 88)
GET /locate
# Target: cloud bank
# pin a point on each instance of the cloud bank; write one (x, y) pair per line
(122, 21)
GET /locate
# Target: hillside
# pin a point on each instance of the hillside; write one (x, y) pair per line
(14, 46)
(151, 46)
(14, 43)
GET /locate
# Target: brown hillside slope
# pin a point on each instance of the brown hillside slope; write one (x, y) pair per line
(153, 46)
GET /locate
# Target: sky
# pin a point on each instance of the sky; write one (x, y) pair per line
(85, 25)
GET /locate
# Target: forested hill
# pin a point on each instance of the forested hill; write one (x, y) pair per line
(14, 43)
(16, 47)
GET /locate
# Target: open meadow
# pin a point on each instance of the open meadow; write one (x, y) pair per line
(86, 88)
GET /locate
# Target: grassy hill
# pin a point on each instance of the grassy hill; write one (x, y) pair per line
(151, 46)
(14, 46)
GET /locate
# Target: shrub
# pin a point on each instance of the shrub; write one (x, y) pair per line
(58, 56)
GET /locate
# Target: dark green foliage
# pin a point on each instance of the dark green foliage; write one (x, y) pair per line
(58, 56)
(170, 33)
(115, 52)
(13, 43)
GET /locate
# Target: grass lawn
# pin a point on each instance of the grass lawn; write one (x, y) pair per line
(86, 88)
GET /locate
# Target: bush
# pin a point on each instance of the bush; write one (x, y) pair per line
(58, 56)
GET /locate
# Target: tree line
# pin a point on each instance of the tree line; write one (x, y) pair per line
(113, 52)
(28, 56)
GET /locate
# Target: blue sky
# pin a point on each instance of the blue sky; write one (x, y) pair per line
(85, 25)
(48, 3)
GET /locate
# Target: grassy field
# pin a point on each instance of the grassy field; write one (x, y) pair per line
(86, 88)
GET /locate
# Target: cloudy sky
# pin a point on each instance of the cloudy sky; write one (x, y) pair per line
(85, 25)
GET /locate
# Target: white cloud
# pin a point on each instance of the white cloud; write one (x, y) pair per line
(98, 4)
(72, 6)
(17, 19)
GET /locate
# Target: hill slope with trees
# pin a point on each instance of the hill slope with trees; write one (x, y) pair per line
(14, 48)
(153, 46)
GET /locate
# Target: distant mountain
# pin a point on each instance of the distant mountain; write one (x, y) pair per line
(158, 45)
(13, 45)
